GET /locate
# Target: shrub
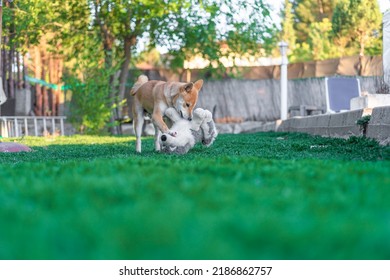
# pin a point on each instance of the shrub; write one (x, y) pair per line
(363, 123)
(91, 102)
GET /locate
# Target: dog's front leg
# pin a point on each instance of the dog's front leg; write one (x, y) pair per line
(159, 122)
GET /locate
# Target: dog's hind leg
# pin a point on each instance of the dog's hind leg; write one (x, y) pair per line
(138, 122)
(157, 135)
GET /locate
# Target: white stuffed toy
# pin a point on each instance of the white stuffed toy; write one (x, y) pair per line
(200, 129)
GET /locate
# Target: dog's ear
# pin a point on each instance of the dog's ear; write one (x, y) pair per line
(188, 87)
(198, 84)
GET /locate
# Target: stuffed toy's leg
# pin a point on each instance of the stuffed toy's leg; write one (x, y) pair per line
(203, 121)
(199, 116)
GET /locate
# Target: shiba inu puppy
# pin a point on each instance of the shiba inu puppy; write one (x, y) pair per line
(155, 97)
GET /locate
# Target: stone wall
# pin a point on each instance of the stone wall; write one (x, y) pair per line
(379, 126)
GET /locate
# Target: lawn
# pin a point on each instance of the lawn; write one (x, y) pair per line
(249, 196)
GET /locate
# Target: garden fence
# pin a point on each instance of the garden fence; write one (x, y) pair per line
(17, 126)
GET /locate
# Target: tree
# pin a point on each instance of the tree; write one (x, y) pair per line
(320, 40)
(306, 27)
(288, 32)
(120, 25)
(35, 26)
(184, 27)
(111, 29)
(308, 12)
(214, 29)
(91, 106)
(355, 21)
(107, 28)
(302, 22)
(328, 28)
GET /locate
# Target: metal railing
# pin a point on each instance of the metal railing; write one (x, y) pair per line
(16, 126)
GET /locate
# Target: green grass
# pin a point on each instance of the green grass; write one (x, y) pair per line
(249, 196)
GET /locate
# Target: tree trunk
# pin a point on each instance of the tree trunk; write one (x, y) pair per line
(1, 39)
(321, 9)
(61, 94)
(362, 47)
(25, 62)
(10, 74)
(19, 81)
(26, 82)
(11, 54)
(5, 68)
(361, 52)
(108, 41)
(129, 42)
(45, 94)
(38, 87)
(53, 75)
(113, 96)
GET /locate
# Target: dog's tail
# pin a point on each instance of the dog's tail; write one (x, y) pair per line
(141, 80)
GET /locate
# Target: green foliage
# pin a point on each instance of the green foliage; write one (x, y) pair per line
(340, 17)
(150, 56)
(26, 16)
(250, 196)
(322, 48)
(91, 99)
(363, 123)
(288, 32)
(356, 20)
(215, 29)
(111, 30)
(301, 52)
(308, 12)
(308, 21)
(364, 120)
(58, 21)
(328, 28)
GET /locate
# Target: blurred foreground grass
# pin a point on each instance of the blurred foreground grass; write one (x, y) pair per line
(249, 196)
